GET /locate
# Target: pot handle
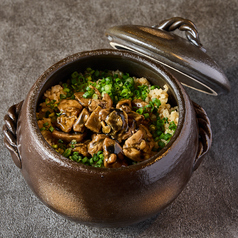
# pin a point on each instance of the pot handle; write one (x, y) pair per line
(205, 134)
(9, 130)
(183, 25)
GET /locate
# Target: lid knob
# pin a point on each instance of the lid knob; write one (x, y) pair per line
(183, 25)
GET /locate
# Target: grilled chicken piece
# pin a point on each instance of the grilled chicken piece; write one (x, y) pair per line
(103, 114)
(83, 101)
(65, 123)
(106, 102)
(66, 137)
(94, 104)
(96, 144)
(79, 125)
(69, 110)
(70, 107)
(135, 116)
(93, 123)
(82, 148)
(124, 104)
(139, 145)
(133, 146)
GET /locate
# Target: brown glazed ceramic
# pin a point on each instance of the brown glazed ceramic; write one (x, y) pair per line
(184, 58)
(101, 196)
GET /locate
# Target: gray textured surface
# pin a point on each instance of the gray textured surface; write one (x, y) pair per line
(36, 34)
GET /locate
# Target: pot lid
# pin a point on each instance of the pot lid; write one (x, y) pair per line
(184, 58)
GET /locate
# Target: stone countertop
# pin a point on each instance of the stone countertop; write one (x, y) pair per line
(36, 34)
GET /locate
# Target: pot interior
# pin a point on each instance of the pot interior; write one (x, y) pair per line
(132, 66)
(124, 61)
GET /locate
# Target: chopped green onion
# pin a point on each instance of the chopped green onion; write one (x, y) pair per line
(156, 138)
(96, 73)
(74, 81)
(51, 128)
(47, 113)
(95, 96)
(74, 74)
(62, 96)
(67, 152)
(67, 90)
(152, 127)
(156, 102)
(158, 133)
(166, 136)
(73, 142)
(172, 126)
(91, 161)
(140, 110)
(52, 114)
(85, 159)
(146, 115)
(64, 85)
(108, 88)
(161, 144)
(86, 95)
(154, 87)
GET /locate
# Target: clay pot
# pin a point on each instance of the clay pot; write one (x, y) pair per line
(101, 196)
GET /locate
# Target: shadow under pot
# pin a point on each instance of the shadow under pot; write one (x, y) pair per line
(107, 197)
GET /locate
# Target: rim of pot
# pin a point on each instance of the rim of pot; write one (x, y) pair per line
(34, 96)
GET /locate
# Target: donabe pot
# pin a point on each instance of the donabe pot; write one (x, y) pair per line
(101, 196)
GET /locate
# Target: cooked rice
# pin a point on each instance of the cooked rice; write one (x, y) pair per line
(54, 93)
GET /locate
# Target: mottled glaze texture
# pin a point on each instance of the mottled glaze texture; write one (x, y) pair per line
(99, 196)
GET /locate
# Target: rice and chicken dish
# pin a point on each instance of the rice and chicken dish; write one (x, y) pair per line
(106, 118)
